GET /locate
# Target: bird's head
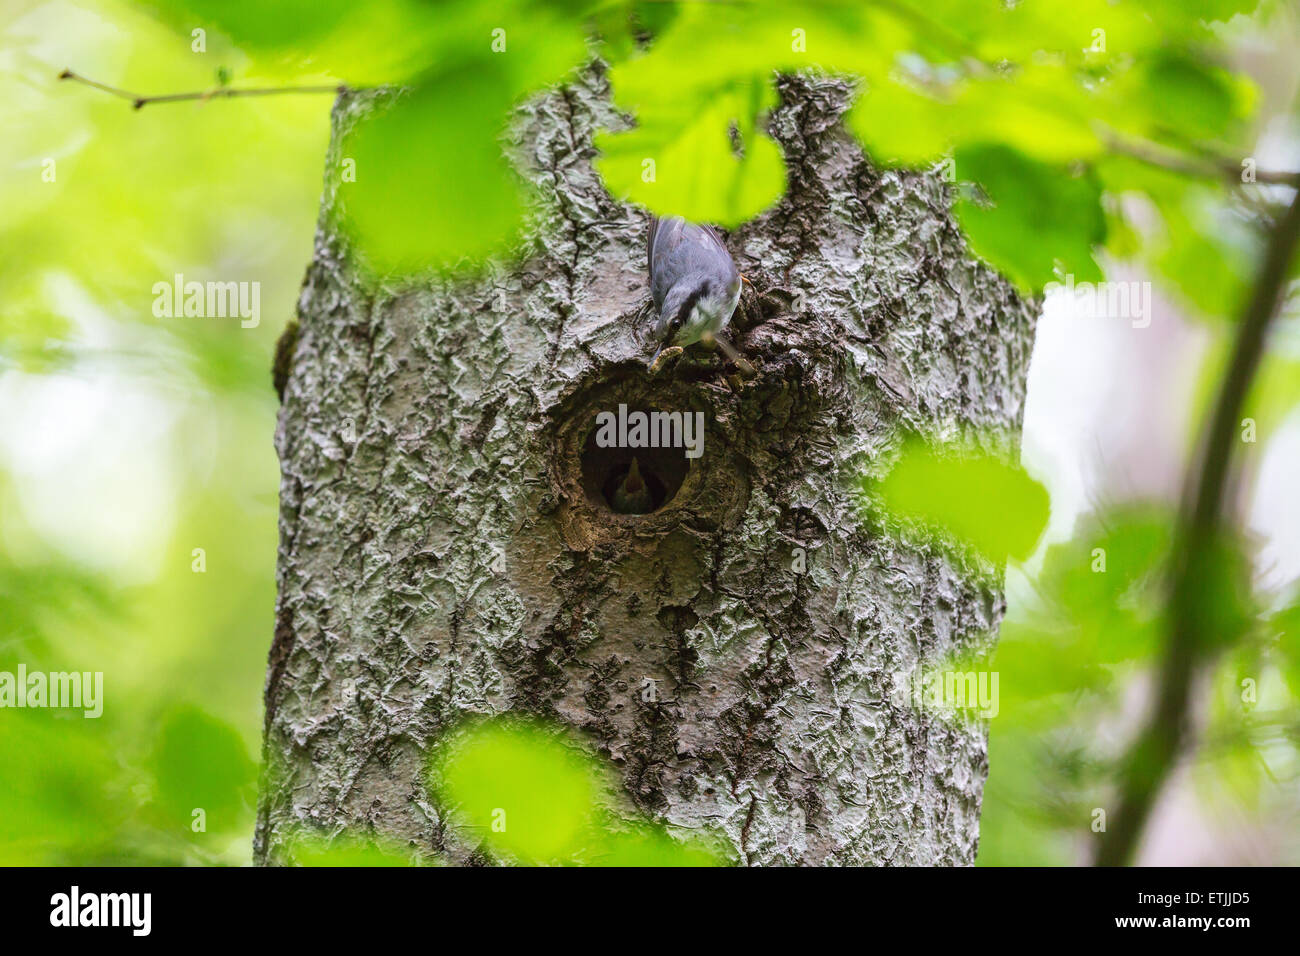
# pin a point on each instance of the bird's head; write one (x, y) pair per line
(633, 482)
(697, 306)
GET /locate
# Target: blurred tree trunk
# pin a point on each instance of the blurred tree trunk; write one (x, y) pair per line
(445, 550)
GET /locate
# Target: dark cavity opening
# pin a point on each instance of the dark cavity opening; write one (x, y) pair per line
(605, 471)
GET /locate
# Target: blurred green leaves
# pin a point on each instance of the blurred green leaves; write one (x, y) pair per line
(1039, 216)
(418, 202)
(430, 186)
(1023, 97)
(200, 763)
(139, 412)
(980, 499)
(700, 96)
(1068, 656)
(1097, 607)
(1285, 625)
(1026, 97)
(1183, 99)
(256, 24)
(693, 167)
(527, 793)
(643, 846)
(59, 801)
(1020, 95)
(346, 850)
(522, 789)
(924, 112)
(524, 793)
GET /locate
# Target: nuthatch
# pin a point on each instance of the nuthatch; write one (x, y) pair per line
(694, 283)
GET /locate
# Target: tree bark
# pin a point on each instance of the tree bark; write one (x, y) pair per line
(446, 550)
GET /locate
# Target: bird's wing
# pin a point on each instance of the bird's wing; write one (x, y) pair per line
(676, 249)
(710, 238)
(650, 242)
(665, 237)
(698, 248)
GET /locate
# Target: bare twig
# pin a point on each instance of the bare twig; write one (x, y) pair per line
(1158, 747)
(220, 91)
(1208, 167)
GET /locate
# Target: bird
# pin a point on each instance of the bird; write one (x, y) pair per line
(694, 283)
(632, 496)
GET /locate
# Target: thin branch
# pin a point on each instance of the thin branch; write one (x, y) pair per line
(1160, 744)
(220, 91)
(1208, 168)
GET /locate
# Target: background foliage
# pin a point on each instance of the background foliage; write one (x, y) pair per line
(1082, 138)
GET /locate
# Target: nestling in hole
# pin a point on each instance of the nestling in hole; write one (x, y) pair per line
(632, 493)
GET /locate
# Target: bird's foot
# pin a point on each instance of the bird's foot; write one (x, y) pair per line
(742, 364)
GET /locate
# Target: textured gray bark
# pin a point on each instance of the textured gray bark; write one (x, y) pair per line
(470, 405)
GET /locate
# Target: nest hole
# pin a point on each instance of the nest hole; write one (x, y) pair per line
(605, 470)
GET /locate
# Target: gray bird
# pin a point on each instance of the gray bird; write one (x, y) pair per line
(693, 280)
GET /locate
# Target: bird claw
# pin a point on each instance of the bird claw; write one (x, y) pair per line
(742, 364)
(664, 357)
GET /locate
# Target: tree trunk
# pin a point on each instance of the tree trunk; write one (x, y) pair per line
(446, 549)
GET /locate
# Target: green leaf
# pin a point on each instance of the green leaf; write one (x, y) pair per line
(1187, 15)
(201, 763)
(1286, 625)
(1197, 244)
(345, 851)
(1193, 98)
(257, 23)
(432, 186)
(1179, 99)
(1040, 216)
(1223, 608)
(1098, 599)
(645, 846)
(902, 126)
(691, 168)
(709, 75)
(58, 801)
(521, 789)
(1070, 29)
(1040, 111)
(984, 501)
